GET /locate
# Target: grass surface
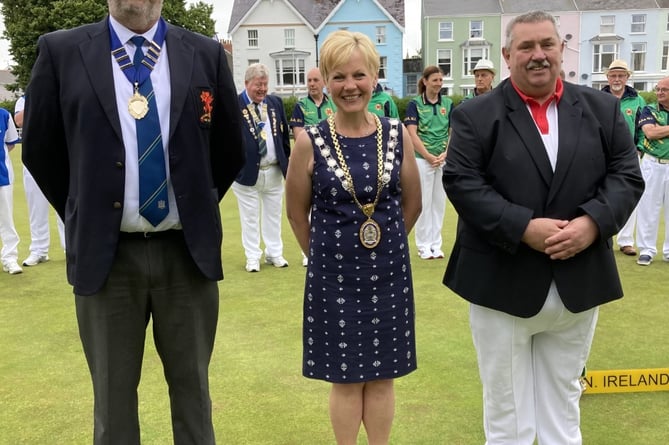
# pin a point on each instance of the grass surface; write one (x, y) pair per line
(259, 396)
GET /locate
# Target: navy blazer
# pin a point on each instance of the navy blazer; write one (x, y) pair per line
(498, 177)
(74, 149)
(280, 133)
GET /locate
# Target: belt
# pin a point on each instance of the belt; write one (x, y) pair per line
(267, 166)
(655, 159)
(164, 234)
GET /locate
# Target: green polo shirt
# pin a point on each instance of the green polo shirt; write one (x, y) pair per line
(655, 114)
(382, 104)
(306, 112)
(433, 121)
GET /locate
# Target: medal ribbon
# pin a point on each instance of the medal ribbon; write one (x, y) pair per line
(256, 112)
(137, 75)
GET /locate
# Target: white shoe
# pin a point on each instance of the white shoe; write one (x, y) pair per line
(252, 266)
(305, 261)
(34, 259)
(12, 268)
(425, 255)
(277, 261)
(437, 253)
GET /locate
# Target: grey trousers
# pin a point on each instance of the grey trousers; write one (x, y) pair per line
(156, 279)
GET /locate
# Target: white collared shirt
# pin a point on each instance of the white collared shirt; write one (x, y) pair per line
(160, 79)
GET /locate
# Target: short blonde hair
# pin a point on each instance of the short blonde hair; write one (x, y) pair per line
(338, 47)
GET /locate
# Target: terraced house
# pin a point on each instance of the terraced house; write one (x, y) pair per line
(286, 35)
(455, 35)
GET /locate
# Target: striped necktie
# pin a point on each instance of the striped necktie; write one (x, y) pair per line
(153, 204)
(262, 142)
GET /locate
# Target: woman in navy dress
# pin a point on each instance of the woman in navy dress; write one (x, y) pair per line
(356, 175)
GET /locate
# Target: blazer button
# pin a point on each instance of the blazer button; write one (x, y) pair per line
(118, 205)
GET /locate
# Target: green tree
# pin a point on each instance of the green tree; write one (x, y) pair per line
(26, 20)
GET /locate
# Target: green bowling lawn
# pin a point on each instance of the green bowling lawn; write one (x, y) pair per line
(259, 396)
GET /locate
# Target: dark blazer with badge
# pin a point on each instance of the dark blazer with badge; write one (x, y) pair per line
(74, 148)
(280, 135)
(498, 177)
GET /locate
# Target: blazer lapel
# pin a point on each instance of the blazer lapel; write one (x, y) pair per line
(96, 57)
(522, 121)
(569, 127)
(181, 55)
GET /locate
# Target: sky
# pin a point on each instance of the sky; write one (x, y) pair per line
(223, 9)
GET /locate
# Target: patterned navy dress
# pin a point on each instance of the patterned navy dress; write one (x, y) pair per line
(358, 303)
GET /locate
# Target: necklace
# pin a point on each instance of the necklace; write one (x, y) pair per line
(370, 231)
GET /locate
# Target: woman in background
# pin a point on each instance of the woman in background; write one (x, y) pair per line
(428, 122)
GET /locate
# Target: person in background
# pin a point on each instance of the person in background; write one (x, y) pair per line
(311, 110)
(259, 185)
(9, 253)
(654, 122)
(356, 176)
(539, 195)
(382, 103)
(133, 134)
(38, 209)
(631, 105)
(428, 122)
(484, 75)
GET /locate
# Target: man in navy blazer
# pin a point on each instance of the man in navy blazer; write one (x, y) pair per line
(82, 127)
(259, 186)
(542, 174)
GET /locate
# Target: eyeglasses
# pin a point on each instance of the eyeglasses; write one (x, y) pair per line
(661, 90)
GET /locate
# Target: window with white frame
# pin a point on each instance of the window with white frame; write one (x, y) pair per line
(445, 61)
(383, 67)
(602, 56)
(665, 56)
(640, 86)
(476, 29)
(599, 85)
(290, 71)
(445, 30)
(607, 24)
(252, 61)
(289, 38)
(380, 35)
(638, 56)
(471, 55)
(412, 84)
(252, 35)
(638, 23)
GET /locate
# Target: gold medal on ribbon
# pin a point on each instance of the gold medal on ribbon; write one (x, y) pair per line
(263, 134)
(138, 106)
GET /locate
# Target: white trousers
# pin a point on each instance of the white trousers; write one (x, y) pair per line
(655, 198)
(38, 214)
(8, 235)
(626, 235)
(427, 230)
(260, 210)
(530, 369)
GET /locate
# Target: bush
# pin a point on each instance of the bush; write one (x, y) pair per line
(8, 105)
(648, 96)
(288, 105)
